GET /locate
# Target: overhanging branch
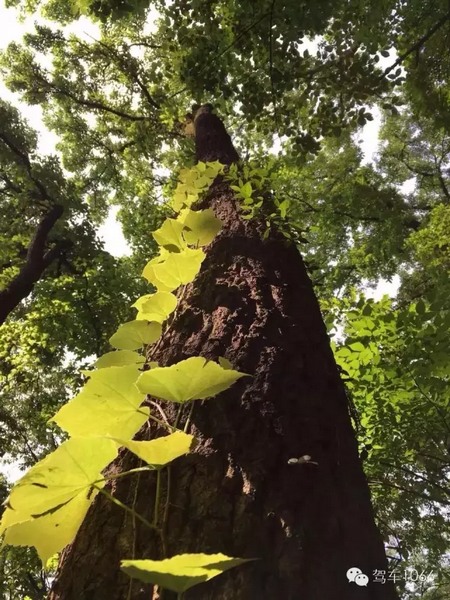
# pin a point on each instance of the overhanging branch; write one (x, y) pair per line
(417, 45)
(37, 260)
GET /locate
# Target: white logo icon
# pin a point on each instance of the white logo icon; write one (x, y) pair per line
(361, 579)
(352, 573)
(355, 575)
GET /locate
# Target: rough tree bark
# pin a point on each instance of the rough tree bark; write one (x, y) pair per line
(308, 524)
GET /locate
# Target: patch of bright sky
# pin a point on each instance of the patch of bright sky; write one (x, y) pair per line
(368, 141)
(111, 233)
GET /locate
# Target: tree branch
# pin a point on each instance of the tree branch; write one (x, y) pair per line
(37, 260)
(417, 45)
(407, 490)
(126, 65)
(94, 105)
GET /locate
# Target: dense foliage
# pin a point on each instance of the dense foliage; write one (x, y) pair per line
(295, 82)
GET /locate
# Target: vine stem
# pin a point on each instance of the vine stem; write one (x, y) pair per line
(128, 510)
(166, 507)
(124, 474)
(170, 427)
(133, 525)
(188, 420)
(157, 495)
(177, 418)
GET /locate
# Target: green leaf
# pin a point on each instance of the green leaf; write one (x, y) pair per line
(225, 363)
(201, 226)
(181, 572)
(420, 307)
(367, 310)
(283, 208)
(182, 198)
(47, 506)
(135, 334)
(170, 234)
(246, 190)
(161, 451)
(357, 347)
(119, 358)
(108, 405)
(202, 182)
(192, 379)
(175, 270)
(155, 307)
(213, 169)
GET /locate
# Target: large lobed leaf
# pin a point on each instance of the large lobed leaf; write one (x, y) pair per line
(181, 572)
(47, 506)
(195, 378)
(108, 405)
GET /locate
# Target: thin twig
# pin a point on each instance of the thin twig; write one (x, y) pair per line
(417, 45)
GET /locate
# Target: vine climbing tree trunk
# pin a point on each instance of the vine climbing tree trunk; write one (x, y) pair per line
(306, 521)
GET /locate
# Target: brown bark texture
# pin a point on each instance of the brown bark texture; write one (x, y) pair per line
(306, 524)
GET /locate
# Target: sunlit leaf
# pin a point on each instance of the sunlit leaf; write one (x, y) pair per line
(225, 363)
(48, 504)
(170, 234)
(181, 572)
(119, 358)
(201, 226)
(179, 268)
(161, 451)
(191, 379)
(135, 334)
(109, 404)
(156, 307)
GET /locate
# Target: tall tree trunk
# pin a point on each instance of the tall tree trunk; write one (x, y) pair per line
(237, 493)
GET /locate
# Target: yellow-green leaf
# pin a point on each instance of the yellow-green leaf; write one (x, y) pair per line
(48, 504)
(213, 169)
(161, 451)
(225, 363)
(109, 404)
(178, 268)
(181, 572)
(191, 379)
(50, 533)
(156, 307)
(180, 200)
(119, 358)
(246, 190)
(135, 334)
(52, 563)
(169, 235)
(201, 226)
